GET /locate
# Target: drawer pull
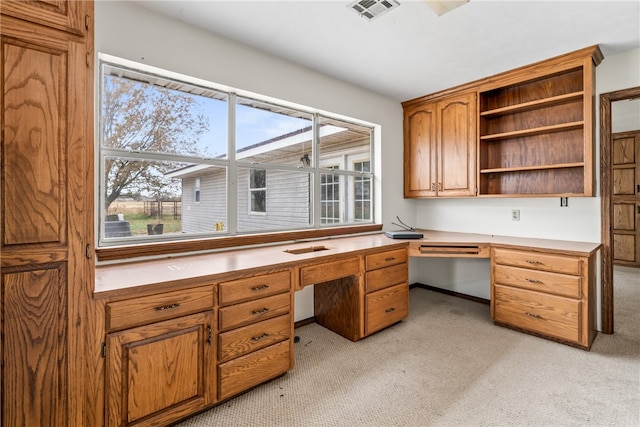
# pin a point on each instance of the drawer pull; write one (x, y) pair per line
(260, 337)
(390, 310)
(533, 280)
(262, 310)
(389, 259)
(260, 288)
(537, 316)
(534, 262)
(167, 307)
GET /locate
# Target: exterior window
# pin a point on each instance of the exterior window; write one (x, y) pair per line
(330, 197)
(196, 194)
(362, 193)
(165, 166)
(258, 190)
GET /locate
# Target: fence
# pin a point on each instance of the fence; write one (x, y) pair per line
(161, 208)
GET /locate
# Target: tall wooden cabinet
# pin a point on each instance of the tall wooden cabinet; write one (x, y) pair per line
(440, 146)
(46, 209)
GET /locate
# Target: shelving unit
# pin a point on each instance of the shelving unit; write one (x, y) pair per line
(536, 135)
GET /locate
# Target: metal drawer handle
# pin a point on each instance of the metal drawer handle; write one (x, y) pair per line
(532, 280)
(534, 262)
(262, 310)
(537, 316)
(390, 310)
(260, 288)
(167, 307)
(390, 259)
(260, 337)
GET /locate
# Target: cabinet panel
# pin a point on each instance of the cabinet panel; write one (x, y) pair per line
(385, 259)
(560, 284)
(331, 270)
(67, 15)
(385, 277)
(248, 371)
(160, 372)
(254, 287)
(254, 311)
(241, 341)
(420, 151)
(538, 261)
(386, 307)
(33, 347)
(546, 314)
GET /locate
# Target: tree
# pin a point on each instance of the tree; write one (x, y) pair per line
(140, 117)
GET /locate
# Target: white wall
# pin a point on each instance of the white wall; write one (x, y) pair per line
(129, 32)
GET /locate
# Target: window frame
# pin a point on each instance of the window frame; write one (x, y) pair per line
(122, 249)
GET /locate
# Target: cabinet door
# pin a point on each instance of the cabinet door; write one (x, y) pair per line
(161, 372)
(45, 212)
(457, 146)
(420, 151)
(66, 15)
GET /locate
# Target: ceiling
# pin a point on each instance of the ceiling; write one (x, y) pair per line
(410, 51)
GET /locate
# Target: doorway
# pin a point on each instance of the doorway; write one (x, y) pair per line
(606, 186)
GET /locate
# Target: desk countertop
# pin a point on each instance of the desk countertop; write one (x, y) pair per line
(182, 269)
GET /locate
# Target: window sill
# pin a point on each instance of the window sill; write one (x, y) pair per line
(117, 253)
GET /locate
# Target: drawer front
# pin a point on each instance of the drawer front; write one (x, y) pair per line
(545, 314)
(253, 287)
(386, 307)
(248, 371)
(241, 341)
(543, 281)
(150, 309)
(332, 270)
(385, 277)
(539, 261)
(254, 311)
(385, 259)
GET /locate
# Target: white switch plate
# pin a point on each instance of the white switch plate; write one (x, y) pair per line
(515, 215)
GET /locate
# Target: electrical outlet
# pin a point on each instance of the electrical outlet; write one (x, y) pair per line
(515, 215)
(564, 202)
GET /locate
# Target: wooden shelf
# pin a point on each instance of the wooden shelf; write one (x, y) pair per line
(533, 105)
(532, 168)
(533, 131)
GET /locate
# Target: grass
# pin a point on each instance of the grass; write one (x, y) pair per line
(138, 223)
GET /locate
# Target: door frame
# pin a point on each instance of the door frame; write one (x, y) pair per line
(606, 183)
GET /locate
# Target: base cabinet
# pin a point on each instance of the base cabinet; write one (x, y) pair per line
(159, 373)
(546, 294)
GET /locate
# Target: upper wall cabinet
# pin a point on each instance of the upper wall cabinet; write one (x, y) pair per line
(535, 130)
(440, 147)
(67, 15)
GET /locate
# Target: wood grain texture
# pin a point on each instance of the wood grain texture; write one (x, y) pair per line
(253, 311)
(60, 14)
(241, 341)
(385, 307)
(542, 281)
(249, 288)
(339, 306)
(161, 372)
(385, 277)
(385, 259)
(420, 145)
(328, 271)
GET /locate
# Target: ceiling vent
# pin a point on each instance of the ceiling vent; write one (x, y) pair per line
(371, 9)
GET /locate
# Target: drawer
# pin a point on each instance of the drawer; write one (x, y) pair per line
(241, 341)
(320, 273)
(144, 310)
(538, 261)
(248, 371)
(385, 259)
(543, 281)
(385, 277)
(386, 307)
(541, 313)
(253, 287)
(254, 311)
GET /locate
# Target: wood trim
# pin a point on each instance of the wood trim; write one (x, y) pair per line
(168, 248)
(606, 182)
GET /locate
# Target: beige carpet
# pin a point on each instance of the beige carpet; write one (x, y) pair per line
(448, 365)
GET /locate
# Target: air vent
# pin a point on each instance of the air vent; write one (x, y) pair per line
(371, 9)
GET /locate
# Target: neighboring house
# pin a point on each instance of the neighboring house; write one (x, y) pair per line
(273, 198)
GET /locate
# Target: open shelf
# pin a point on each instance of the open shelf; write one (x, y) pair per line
(532, 168)
(533, 105)
(533, 131)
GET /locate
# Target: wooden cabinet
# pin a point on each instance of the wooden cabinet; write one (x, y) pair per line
(536, 130)
(46, 203)
(255, 328)
(440, 146)
(547, 294)
(161, 372)
(625, 198)
(355, 308)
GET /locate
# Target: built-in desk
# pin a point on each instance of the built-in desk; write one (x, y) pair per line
(223, 322)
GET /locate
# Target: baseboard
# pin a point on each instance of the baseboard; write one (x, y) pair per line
(449, 292)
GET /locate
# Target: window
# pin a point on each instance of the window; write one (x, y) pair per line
(329, 197)
(258, 190)
(164, 137)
